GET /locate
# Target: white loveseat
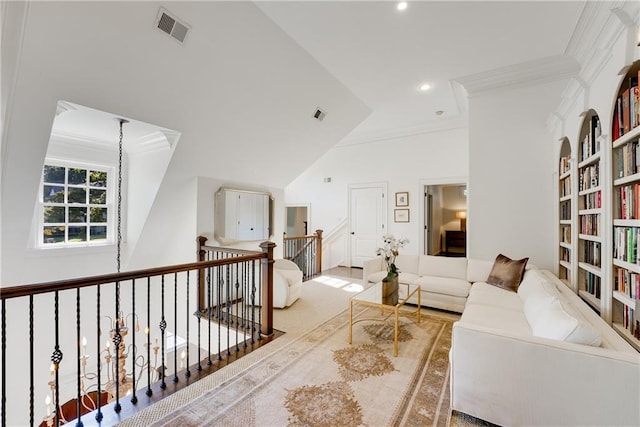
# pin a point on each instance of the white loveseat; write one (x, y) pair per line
(444, 282)
(523, 358)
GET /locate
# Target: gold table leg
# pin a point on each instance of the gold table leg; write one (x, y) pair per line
(350, 321)
(395, 335)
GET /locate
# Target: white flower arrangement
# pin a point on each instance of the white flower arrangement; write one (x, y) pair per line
(390, 251)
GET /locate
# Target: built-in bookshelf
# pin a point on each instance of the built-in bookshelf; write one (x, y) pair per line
(590, 221)
(625, 167)
(565, 256)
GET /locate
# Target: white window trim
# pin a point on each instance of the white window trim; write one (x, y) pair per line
(111, 205)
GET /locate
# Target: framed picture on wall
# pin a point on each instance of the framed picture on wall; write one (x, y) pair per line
(402, 198)
(401, 215)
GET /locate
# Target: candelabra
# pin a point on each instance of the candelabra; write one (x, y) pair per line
(118, 381)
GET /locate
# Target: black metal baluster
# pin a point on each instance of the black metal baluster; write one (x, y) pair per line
(163, 326)
(187, 373)
(31, 363)
(56, 358)
(247, 306)
(4, 363)
(134, 397)
(175, 327)
(78, 352)
(117, 341)
(229, 288)
(253, 301)
(260, 308)
(219, 294)
(239, 298)
(99, 415)
(209, 299)
(149, 392)
(199, 324)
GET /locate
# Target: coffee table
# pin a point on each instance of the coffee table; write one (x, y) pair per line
(372, 297)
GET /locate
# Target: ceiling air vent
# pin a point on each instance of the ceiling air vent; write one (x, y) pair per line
(319, 114)
(169, 24)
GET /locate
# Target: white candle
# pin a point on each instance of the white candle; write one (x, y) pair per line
(47, 402)
(182, 357)
(84, 345)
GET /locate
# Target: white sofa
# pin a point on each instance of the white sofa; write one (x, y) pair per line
(519, 358)
(444, 282)
(287, 283)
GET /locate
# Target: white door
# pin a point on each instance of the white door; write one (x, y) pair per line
(367, 221)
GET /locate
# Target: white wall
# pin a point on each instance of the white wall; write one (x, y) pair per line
(511, 205)
(403, 163)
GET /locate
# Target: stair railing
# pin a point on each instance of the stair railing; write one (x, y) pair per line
(53, 336)
(305, 252)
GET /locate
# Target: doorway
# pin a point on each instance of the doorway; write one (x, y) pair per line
(445, 220)
(297, 220)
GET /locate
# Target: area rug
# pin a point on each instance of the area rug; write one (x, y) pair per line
(318, 379)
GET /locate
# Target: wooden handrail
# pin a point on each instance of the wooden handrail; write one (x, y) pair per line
(61, 285)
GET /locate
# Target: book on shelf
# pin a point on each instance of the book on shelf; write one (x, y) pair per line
(626, 115)
(626, 123)
(565, 164)
(591, 253)
(565, 187)
(625, 244)
(627, 204)
(628, 159)
(630, 322)
(627, 283)
(590, 224)
(565, 210)
(590, 144)
(589, 177)
(633, 106)
(590, 201)
(592, 284)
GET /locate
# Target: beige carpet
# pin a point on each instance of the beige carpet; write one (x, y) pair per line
(312, 376)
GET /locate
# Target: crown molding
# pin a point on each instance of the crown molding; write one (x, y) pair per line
(439, 125)
(520, 75)
(599, 27)
(155, 141)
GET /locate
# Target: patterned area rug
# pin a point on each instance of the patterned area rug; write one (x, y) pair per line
(319, 379)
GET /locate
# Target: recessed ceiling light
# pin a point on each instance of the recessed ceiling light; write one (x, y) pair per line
(425, 87)
(402, 5)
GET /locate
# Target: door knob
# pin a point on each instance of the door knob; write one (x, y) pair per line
(353, 232)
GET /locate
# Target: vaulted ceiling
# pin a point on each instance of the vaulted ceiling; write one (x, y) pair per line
(249, 76)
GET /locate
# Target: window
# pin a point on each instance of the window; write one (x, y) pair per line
(76, 205)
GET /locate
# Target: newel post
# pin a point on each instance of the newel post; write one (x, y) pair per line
(201, 257)
(319, 252)
(267, 288)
